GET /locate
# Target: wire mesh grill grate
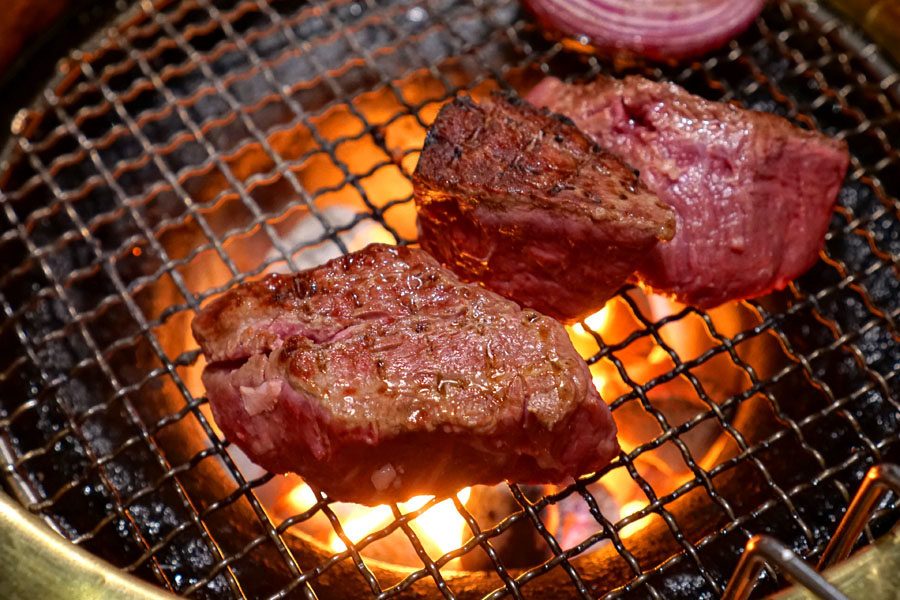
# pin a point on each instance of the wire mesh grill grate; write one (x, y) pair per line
(201, 143)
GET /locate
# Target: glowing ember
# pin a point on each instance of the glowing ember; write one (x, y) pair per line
(658, 355)
(301, 497)
(441, 526)
(441, 523)
(626, 511)
(359, 527)
(598, 320)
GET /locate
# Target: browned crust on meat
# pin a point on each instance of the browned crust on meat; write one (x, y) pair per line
(520, 200)
(505, 153)
(379, 376)
(392, 305)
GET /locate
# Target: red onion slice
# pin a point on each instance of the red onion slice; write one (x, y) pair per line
(657, 29)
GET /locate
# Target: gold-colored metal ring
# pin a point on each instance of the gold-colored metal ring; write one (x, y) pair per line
(873, 573)
(880, 19)
(36, 562)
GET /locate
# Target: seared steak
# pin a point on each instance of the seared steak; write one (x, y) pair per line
(520, 200)
(753, 193)
(379, 376)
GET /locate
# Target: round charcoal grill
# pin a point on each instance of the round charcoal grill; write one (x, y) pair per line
(192, 144)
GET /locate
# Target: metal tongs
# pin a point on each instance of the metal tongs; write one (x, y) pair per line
(762, 550)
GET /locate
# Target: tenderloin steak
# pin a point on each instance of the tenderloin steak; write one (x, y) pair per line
(752, 192)
(380, 375)
(520, 200)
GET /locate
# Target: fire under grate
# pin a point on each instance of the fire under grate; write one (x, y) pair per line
(197, 144)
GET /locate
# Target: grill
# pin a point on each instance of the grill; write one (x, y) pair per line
(194, 144)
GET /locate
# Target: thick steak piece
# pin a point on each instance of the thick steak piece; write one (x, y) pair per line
(520, 200)
(379, 376)
(753, 193)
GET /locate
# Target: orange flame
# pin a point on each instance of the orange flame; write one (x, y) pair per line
(629, 509)
(441, 529)
(441, 526)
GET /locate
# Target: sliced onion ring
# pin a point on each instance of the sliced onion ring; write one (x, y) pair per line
(657, 29)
